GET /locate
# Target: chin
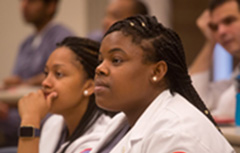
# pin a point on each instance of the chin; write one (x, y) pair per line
(104, 106)
(234, 51)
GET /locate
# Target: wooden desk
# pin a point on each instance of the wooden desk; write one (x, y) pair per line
(232, 134)
(13, 95)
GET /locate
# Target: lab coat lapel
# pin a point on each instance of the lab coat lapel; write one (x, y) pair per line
(140, 129)
(116, 124)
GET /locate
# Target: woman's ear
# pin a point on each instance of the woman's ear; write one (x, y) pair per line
(88, 87)
(159, 71)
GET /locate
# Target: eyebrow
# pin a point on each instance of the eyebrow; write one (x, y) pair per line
(116, 50)
(55, 66)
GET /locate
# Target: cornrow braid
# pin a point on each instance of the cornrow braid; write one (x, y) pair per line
(167, 46)
(87, 53)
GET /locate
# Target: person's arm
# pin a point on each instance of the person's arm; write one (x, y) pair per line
(204, 60)
(32, 109)
(12, 81)
(36, 80)
(201, 66)
(29, 145)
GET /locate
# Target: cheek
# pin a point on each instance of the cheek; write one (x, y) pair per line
(217, 37)
(237, 33)
(68, 95)
(66, 101)
(129, 85)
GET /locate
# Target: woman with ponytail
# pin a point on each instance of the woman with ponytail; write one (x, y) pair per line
(67, 91)
(143, 74)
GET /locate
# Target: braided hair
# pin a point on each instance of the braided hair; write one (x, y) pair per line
(166, 46)
(87, 53)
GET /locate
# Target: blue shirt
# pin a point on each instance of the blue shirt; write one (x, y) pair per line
(32, 58)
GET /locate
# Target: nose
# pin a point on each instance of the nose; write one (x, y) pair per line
(102, 70)
(222, 29)
(47, 83)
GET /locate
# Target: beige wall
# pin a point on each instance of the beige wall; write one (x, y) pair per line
(79, 15)
(161, 9)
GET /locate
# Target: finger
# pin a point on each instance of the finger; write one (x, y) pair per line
(51, 97)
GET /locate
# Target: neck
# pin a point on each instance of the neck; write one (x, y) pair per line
(39, 26)
(134, 115)
(73, 116)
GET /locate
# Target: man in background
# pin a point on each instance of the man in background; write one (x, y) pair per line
(34, 51)
(118, 10)
(221, 24)
(32, 56)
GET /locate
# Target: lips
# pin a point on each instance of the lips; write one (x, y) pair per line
(46, 94)
(226, 41)
(100, 86)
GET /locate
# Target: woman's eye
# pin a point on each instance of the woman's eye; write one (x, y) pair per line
(117, 60)
(59, 74)
(100, 61)
(45, 73)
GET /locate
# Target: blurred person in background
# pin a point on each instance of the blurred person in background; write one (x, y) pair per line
(32, 56)
(119, 10)
(220, 23)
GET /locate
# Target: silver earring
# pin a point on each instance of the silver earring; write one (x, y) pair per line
(154, 78)
(85, 92)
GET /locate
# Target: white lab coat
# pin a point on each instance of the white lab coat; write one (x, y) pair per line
(170, 124)
(218, 96)
(52, 129)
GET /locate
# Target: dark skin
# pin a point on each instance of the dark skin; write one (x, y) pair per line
(123, 81)
(63, 93)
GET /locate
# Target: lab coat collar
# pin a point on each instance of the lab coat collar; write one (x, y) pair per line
(139, 129)
(114, 127)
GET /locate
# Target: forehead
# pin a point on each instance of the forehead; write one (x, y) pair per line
(62, 55)
(33, 2)
(118, 40)
(121, 6)
(225, 10)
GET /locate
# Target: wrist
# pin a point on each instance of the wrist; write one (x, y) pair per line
(30, 120)
(28, 131)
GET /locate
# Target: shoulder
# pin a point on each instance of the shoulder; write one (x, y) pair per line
(181, 125)
(27, 41)
(92, 136)
(60, 29)
(54, 124)
(50, 133)
(56, 33)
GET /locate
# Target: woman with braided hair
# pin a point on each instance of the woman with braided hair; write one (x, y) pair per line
(143, 74)
(68, 91)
